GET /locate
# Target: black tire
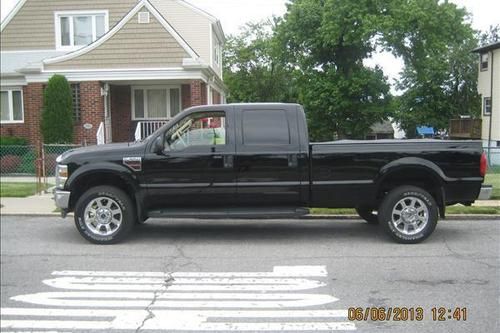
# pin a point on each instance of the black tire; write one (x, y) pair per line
(366, 213)
(415, 224)
(120, 210)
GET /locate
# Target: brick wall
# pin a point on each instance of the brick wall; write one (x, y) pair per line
(186, 96)
(196, 91)
(92, 112)
(33, 104)
(204, 98)
(216, 98)
(121, 113)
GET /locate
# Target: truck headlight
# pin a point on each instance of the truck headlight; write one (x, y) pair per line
(61, 175)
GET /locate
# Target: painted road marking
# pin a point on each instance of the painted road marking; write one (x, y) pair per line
(183, 284)
(213, 301)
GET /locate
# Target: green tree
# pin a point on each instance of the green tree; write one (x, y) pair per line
(439, 80)
(492, 35)
(57, 115)
(325, 42)
(253, 70)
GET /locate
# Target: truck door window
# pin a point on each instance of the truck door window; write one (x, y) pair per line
(199, 129)
(265, 127)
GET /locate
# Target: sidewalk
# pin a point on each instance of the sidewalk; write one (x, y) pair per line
(34, 205)
(44, 205)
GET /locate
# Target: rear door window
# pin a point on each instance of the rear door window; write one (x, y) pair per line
(265, 127)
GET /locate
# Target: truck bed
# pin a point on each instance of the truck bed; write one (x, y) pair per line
(341, 171)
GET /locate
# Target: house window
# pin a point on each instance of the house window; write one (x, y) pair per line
(155, 102)
(484, 61)
(11, 104)
(77, 29)
(75, 93)
(217, 54)
(487, 106)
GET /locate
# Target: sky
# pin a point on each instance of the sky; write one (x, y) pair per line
(234, 13)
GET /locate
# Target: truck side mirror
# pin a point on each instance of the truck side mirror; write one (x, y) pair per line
(158, 145)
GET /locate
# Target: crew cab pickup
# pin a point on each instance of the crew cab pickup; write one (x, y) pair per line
(255, 161)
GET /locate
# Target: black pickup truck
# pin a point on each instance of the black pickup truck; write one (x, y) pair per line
(255, 161)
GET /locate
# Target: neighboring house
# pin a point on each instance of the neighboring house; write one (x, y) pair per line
(381, 130)
(489, 89)
(132, 64)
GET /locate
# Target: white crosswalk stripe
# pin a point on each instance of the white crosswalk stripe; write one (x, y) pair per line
(191, 301)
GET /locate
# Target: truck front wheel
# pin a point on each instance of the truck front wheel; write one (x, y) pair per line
(104, 215)
(408, 214)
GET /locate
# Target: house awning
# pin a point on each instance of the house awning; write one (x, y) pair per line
(425, 130)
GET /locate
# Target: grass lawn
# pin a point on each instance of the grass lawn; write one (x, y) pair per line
(458, 209)
(494, 179)
(18, 190)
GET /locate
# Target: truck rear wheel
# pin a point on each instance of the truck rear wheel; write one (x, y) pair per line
(366, 213)
(408, 214)
(104, 215)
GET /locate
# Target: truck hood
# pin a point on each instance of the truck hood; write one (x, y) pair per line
(108, 152)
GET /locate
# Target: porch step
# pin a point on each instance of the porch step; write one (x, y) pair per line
(230, 213)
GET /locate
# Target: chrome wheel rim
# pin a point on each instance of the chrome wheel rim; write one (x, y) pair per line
(410, 215)
(103, 216)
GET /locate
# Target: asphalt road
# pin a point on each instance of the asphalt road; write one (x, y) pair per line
(251, 275)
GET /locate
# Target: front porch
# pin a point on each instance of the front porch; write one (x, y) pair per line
(134, 110)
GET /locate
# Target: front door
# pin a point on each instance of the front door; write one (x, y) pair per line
(196, 168)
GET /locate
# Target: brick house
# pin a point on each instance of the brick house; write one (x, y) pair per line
(132, 64)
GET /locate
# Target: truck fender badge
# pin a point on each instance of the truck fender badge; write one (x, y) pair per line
(134, 163)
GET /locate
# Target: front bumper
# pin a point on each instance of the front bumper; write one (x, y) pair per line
(62, 199)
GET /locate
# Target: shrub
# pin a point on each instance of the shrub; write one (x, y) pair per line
(28, 164)
(9, 163)
(12, 141)
(57, 115)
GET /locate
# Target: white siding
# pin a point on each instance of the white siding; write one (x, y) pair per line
(484, 88)
(191, 25)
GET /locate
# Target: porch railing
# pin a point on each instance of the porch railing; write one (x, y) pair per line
(146, 128)
(100, 134)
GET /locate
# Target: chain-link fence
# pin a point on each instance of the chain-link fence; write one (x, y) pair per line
(494, 156)
(49, 156)
(18, 160)
(31, 160)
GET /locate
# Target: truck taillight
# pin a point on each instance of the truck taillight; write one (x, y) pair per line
(483, 165)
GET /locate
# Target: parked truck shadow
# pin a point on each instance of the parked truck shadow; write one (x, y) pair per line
(164, 231)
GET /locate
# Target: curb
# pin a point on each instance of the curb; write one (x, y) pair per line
(448, 217)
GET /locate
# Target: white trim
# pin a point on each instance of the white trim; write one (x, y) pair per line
(10, 100)
(12, 13)
(122, 75)
(171, 30)
(6, 83)
(27, 51)
(71, 14)
(197, 10)
(118, 26)
(112, 70)
(145, 88)
(211, 44)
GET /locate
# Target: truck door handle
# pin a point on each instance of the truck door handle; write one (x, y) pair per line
(293, 161)
(228, 161)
